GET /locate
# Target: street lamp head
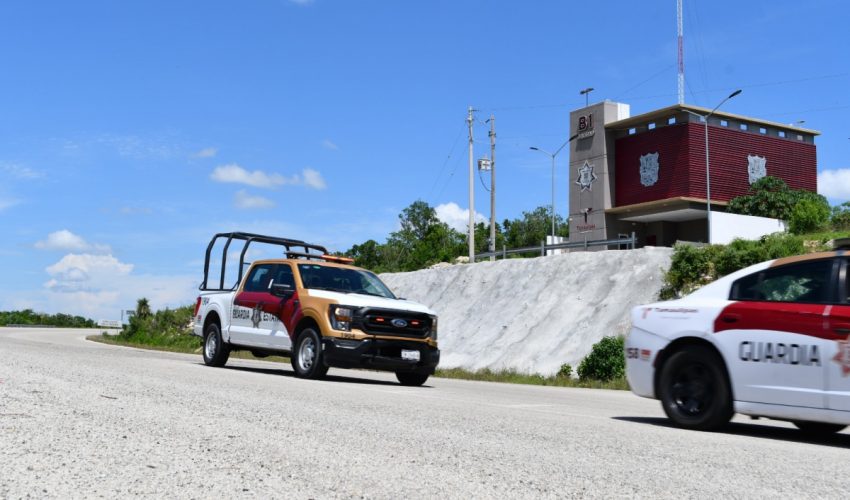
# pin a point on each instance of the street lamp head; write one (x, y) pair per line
(733, 94)
(586, 91)
(533, 148)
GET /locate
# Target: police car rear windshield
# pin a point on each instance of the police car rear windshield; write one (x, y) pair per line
(338, 279)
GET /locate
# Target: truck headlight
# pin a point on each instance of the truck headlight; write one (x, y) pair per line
(341, 317)
(434, 328)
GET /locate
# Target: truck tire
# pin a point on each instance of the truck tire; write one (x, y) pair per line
(413, 379)
(307, 357)
(694, 390)
(216, 351)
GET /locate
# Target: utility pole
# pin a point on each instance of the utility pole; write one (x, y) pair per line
(471, 237)
(492, 247)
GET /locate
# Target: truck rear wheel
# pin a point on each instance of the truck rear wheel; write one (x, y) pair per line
(215, 350)
(307, 356)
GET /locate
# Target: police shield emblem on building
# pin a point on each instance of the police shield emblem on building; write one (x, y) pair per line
(586, 176)
(649, 169)
(756, 167)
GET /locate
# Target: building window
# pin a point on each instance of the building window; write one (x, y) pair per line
(781, 133)
(744, 126)
(724, 123)
(762, 130)
(651, 126)
(701, 119)
(671, 120)
(799, 137)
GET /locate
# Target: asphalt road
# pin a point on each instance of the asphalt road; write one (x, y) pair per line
(81, 419)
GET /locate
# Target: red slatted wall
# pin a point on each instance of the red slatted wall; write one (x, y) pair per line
(681, 158)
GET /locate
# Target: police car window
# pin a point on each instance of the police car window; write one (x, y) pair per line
(258, 280)
(807, 282)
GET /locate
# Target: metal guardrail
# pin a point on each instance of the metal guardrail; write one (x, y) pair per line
(629, 244)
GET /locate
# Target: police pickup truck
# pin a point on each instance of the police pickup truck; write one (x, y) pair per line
(318, 309)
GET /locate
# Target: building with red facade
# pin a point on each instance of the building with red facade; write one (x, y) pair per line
(647, 174)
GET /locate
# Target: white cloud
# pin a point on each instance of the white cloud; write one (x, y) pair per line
(100, 286)
(233, 173)
(66, 240)
(7, 203)
(21, 172)
(327, 144)
(135, 210)
(457, 218)
(313, 179)
(245, 201)
(206, 153)
(835, 184)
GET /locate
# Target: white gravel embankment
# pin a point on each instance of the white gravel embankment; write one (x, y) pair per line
(534, 315)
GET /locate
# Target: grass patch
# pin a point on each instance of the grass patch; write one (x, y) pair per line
(186, 346)
(511, 377)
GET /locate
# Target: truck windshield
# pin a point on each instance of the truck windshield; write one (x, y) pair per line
(339, 279)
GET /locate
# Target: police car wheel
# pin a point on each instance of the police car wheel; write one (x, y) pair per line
(307, 357)
(819, 428)
(215, 350)
(694, 390)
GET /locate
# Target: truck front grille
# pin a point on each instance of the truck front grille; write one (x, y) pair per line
(390, 322)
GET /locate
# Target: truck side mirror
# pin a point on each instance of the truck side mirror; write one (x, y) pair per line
(281, 290)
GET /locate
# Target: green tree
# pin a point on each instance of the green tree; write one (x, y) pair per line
(767, 197)
(143, 308)
(533, 228)
(840, 218)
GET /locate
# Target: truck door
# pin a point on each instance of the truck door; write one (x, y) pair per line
(250, 324)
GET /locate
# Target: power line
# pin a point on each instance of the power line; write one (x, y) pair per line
(446, 161)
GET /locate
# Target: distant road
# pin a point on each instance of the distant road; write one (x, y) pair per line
(83, 419)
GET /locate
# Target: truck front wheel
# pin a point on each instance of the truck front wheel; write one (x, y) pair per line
(307, 357)
(215, 350)
(414, 379)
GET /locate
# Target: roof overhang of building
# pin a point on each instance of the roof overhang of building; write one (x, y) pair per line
(665, 113)
(668, 210)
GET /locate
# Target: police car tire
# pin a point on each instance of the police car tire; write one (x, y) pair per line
(694, 389)
(314, 368)
(818, 428)
(215, 351)
(413, 379)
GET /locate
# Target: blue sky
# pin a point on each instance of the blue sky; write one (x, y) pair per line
(132, 131)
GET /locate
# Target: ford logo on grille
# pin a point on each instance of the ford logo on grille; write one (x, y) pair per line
(399, 323)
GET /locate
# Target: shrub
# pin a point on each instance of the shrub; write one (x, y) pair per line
(692, 267)
(810, 214)
(566, 371)
(606, 360)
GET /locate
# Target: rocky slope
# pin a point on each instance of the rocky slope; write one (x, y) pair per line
(533, 315)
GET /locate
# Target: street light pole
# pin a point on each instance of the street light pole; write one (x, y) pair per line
(553, 155)
(707, 170)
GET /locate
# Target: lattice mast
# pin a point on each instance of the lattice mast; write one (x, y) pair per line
(681, 53)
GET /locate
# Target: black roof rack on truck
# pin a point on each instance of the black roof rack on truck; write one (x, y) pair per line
(249, 238)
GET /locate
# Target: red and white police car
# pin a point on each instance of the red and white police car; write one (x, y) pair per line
(770, 340)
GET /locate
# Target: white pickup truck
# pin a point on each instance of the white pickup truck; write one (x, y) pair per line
(316, 308)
